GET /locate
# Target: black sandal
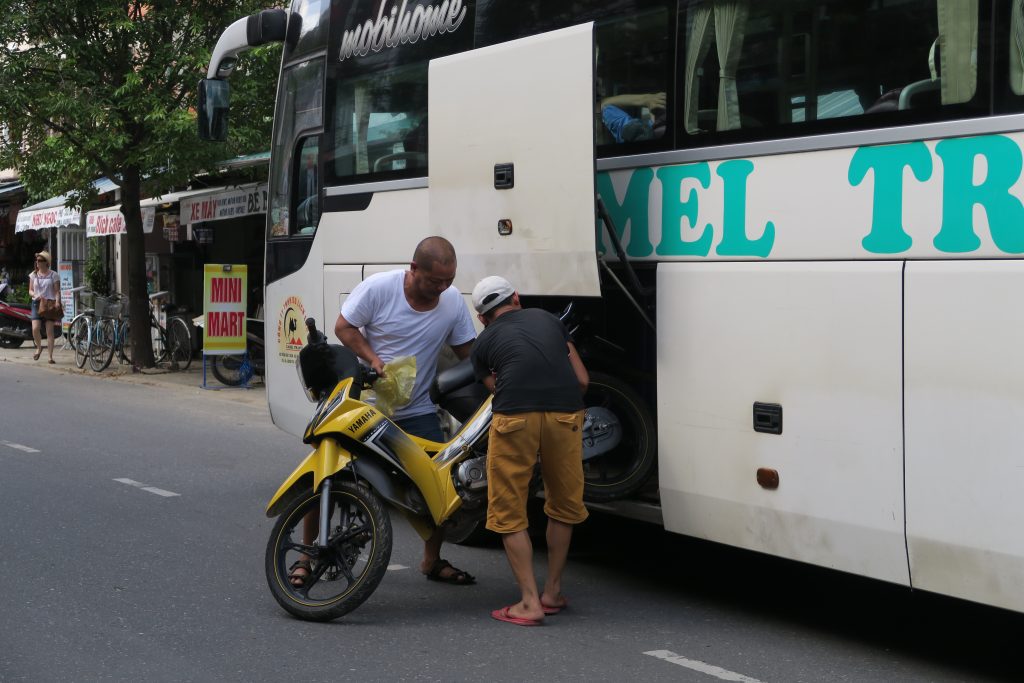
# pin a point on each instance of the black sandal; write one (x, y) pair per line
(299, 580)
(456, 578)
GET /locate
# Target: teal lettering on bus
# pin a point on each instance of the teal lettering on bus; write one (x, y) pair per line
(674, 209)
(960, 194)
(887, 235)
(734, 230)
(631, 213)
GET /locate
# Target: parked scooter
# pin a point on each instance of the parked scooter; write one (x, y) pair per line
(361, 460)
(16, 323)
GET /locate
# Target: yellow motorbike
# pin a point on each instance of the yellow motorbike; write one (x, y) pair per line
(331, 509)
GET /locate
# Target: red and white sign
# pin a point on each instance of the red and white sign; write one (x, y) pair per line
(47, 218)
(108, 222)
(232, 203)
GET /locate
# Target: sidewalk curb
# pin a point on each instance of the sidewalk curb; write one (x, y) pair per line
(190, 380)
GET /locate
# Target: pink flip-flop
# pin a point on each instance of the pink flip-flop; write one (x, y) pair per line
(503, 615)
(554, 609)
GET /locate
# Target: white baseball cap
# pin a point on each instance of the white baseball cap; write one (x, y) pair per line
(490, 292)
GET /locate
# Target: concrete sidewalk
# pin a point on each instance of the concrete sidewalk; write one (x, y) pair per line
(183, 382)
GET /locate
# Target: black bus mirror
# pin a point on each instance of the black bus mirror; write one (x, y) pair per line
(214, 101)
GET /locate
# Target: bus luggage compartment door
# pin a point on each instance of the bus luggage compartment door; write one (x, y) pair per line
(511, 131)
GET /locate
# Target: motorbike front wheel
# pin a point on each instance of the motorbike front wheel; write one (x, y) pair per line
(345, 572)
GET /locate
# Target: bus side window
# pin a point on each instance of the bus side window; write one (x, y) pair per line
(785, 67)
(633, 63)
(299, 109)
(306, 208)
(380, 125)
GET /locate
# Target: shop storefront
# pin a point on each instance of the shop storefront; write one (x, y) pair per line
(185, 230)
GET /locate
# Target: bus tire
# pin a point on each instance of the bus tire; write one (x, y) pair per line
(626, 468)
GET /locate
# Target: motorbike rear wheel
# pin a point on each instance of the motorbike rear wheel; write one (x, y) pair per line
(345, 572)
(10, 342)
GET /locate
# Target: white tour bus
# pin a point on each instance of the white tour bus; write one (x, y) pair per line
(803, 310)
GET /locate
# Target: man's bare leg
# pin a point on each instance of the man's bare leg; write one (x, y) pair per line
(519, 550)
(559, 535)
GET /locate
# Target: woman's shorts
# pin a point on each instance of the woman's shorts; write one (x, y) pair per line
(35, 310)
(515, 443)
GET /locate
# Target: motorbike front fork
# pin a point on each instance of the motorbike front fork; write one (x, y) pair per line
(325, 512)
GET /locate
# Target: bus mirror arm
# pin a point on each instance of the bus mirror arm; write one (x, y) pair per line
(613, 235)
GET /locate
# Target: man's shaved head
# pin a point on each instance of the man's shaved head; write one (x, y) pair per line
(433, 251)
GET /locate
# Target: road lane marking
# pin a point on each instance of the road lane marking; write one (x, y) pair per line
(146, 487)
(702, 667)
(20, 447)
(160, 492)
(396, 567)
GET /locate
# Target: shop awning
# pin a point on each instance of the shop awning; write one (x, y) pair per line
(110, 221)
(9, 189)
(222, 203)
(53, 213)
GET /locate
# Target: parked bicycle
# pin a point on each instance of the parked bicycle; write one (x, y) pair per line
(171, 343)
(82, 329)
(110, 331)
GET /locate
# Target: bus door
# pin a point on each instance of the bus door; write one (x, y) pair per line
(511, 162)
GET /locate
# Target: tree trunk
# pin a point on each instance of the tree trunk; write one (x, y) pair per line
(138, 298)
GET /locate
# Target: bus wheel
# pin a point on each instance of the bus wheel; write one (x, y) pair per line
(620, 440)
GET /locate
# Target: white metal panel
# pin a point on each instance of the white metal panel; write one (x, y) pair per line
(387, 231)
(965, 408)
(822, 340)
(339, 281)
(528, 102)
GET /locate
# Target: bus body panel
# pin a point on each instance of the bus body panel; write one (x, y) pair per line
(965, 408)
(951, 198)
(823, 340)
(531, 110)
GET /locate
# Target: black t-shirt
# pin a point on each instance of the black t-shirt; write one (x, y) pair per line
(527, 348)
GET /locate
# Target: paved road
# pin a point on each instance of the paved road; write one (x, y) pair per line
(131, 548)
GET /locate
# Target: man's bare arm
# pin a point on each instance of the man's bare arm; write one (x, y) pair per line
(351, 337)
(462, 350)
(577, 366)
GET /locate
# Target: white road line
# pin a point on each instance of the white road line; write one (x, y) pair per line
(20, 447)
(144, 487)
(160, 492)
(396, 567)
(709, 669)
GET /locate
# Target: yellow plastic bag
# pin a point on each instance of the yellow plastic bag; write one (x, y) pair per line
(395, 389)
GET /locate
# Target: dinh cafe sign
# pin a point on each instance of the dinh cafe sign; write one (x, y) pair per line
(224, 306)
(401, 25)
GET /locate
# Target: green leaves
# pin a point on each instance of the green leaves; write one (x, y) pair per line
(95, 86)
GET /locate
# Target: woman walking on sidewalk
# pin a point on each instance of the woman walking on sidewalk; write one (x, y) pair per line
(43, 283)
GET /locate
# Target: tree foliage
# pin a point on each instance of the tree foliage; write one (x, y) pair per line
(96, 88)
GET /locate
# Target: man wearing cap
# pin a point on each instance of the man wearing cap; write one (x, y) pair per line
(526, 357)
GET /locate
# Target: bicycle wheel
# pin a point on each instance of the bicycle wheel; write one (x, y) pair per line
(81, 339)
(179, 342)
(103, 345)
(159, 337)
(124, 343)
(233, 369)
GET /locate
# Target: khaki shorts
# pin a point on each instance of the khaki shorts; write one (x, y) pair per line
(514, 445)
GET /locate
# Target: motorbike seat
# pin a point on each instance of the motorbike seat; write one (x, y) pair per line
(456, 377)
(24, 307)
